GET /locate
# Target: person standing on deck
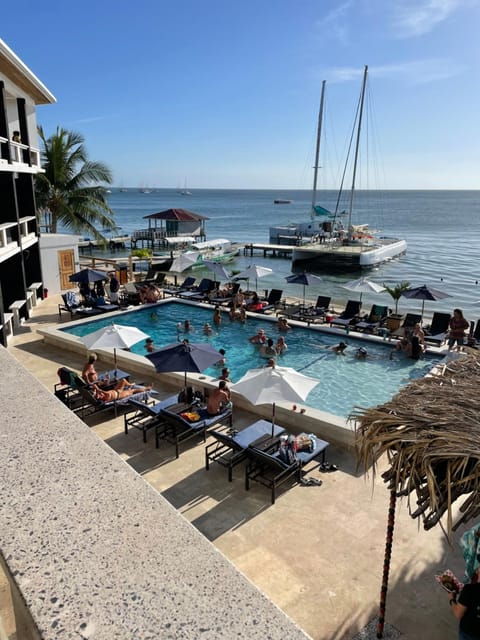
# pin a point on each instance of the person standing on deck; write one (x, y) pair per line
(457, 325)
(114, 287)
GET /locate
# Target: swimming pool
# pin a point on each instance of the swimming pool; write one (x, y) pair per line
(345, 381)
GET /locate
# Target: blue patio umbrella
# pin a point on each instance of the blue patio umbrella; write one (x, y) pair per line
(424, 293)
(304, 278)
(88, 275)
(185, 357)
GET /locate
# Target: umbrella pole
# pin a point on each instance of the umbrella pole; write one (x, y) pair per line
(115, 362)
(386, 563)
(273, 419)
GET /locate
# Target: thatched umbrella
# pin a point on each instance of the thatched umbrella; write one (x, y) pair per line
(430, 432)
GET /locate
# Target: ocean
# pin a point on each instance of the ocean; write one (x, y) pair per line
(441, 229)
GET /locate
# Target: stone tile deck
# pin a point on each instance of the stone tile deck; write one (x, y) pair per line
(317, 553)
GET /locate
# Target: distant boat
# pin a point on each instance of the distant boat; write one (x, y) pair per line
(282, 201)
(123, 190)
(185, 191)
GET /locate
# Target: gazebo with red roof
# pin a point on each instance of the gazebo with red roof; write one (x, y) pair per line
(172, 223)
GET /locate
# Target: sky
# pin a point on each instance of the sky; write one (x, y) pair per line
(223, 94)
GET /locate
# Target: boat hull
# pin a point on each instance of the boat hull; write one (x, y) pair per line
(338, 257)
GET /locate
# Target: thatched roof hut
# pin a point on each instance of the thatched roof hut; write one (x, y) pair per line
(430, 432)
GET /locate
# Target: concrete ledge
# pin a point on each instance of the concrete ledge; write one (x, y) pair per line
(94, 550)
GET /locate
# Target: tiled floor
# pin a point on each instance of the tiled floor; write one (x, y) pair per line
(317, 553)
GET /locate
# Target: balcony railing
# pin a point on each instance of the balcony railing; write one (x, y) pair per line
(21, 153)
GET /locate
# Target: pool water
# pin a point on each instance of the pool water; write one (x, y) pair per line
(345, 381)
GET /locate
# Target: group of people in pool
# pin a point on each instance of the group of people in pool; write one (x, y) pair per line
(267, 348)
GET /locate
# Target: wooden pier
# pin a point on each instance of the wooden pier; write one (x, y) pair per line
(272, 250)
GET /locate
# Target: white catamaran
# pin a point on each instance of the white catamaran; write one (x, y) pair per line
(324, 242)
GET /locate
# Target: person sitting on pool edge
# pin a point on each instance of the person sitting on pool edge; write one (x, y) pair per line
(124, 390)
(219, 399)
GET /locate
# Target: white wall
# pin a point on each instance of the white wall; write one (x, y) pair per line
(50, 245)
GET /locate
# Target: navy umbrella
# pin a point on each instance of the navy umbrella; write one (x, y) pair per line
(305, 279)
(88, 275)
(424, 293)
(184, 357)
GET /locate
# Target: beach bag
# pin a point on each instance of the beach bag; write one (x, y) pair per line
(288, 451)
(306, 442)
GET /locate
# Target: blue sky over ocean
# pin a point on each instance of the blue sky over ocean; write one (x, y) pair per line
(222, 94)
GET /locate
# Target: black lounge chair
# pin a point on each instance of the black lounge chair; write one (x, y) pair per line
(176, 429)
(409, 322)
(349, 315)
(201, 292)
(269, 470)
(67, 389)
(438, 331)
(230, 450)
(474, 335)
(273, 300)
(145, 416)
(322, 305)
(185, 286)
(72, 306)
(378, 314)
(90, 404)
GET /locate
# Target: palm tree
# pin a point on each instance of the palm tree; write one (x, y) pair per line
(396, 291)
(69, 193)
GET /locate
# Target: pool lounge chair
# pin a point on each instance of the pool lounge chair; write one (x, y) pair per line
(378, 314)
(67, 389)
(185, 286)
(273, 300)
(438, 331)
(269, 470)
(145, 416)
(349, 315)
(130, 294)
(91, 404)
(176, 429)
(200, 293)
(230, 450)
(408, 324)
(71, 305)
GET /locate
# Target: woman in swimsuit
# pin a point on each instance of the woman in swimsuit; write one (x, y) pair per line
(124, 390)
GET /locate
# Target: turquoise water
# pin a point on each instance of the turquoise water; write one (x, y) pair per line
(345, 381)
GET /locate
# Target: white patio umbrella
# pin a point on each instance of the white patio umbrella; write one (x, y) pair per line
(253, 271)
(118, 336)
(218, 269)
(272, 384)
(184, 261)
(363, 285)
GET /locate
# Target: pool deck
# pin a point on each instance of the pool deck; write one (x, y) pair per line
(317, 553)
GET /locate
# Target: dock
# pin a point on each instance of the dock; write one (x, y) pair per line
(272, 250)
(118, 242)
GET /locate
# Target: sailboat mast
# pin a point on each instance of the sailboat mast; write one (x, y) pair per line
(357, 146)
(317, 150)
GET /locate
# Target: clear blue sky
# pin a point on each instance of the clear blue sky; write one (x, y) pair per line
(225, 94)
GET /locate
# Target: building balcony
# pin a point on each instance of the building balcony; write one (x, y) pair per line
(19, 157)
(9, 244)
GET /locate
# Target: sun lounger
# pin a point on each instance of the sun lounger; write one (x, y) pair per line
(438, 331)
(91, 404)
(230, 450)
(377, 315)
(348, 315)
(185, 286)
(410, 320)
(72, 306)
(269, 470)
(145, 416)
(177, 429)
(200, 293)
(273, 300)
(67, 389)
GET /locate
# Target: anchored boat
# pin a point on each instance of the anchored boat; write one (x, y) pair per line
(325, 242)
